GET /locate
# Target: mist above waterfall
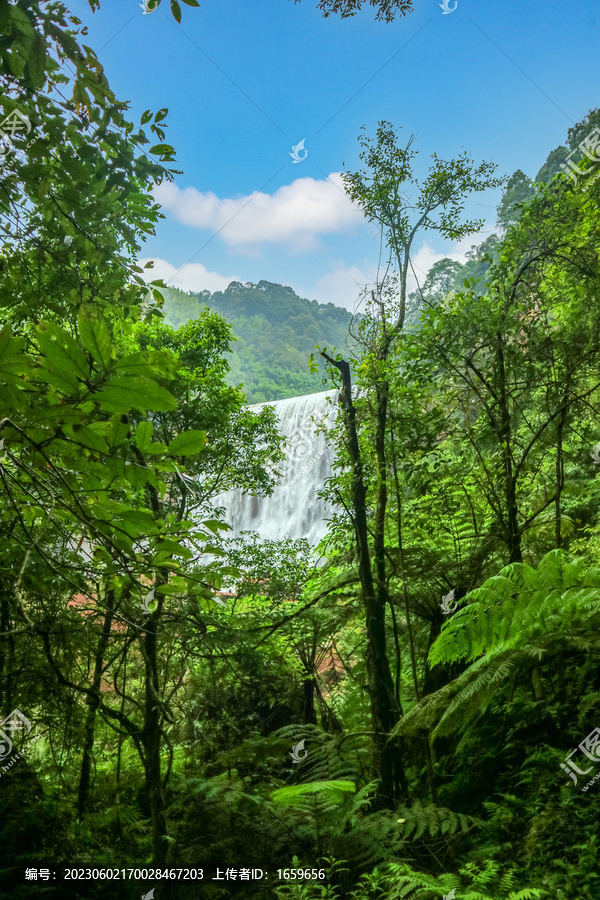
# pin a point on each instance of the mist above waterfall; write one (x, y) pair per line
(293, 510)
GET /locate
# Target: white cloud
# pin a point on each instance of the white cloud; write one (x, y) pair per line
(294, 215)
(343, 286)
(425, 257)
(192, 277)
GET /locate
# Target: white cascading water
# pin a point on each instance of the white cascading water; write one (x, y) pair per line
(293, 510)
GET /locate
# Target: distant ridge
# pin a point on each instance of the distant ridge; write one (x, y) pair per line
(275, 331)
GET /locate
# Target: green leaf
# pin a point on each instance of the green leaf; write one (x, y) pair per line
(12, 359)
(168, 589)
(116, 432)
(176, 10)
(36, 60)
(191, 2)
(161, 150)
(166, 548)
(64, 382)
(143, 436)
(88, 437)
(95, 336)
(160, 115)
(215, 526)
(126, 392)
(137, 523)
(146, 117)
(136, 475)
(294, 793)
(144, 362)
(21, 21)
(187, 443)
(61, 350)
(157, 449)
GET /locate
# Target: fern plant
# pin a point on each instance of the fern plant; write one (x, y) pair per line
(400, 882)
(514, 621)
(326, 789)
(397, 881)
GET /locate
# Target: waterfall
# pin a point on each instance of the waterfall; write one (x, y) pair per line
(293, 510)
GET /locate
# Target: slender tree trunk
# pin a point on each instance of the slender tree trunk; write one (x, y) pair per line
(411, 642)
(93, 701)
(430, 772)
(536, 683)
(513, 532)
(119, 755)
(382, 493)
(379, 677)
(398, 686)
(560, 475)
(152, 746)
(7, 643)
(308, 685)
(151, 736)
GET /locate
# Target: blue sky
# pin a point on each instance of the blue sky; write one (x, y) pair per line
(246, 80)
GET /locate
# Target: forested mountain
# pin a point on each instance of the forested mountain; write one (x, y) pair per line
(274, 332)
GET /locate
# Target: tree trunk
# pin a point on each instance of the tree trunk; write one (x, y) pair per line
(560, 475)
(7, 643)
(379, 677)
(308, 685)
(411, 642)
(512, 524)
(93, 701)
(152, 746)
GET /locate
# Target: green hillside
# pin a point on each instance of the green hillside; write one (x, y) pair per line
(275, 332)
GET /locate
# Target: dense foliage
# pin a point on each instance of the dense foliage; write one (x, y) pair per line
(415, 714)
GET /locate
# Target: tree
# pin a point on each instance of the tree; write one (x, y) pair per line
(519, 190)
(386, 9)
(558, 157)
(441, 277)
(381, 191)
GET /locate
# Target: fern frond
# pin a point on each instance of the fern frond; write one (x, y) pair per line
(331, 789)
(515, 619)
(420, 819)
